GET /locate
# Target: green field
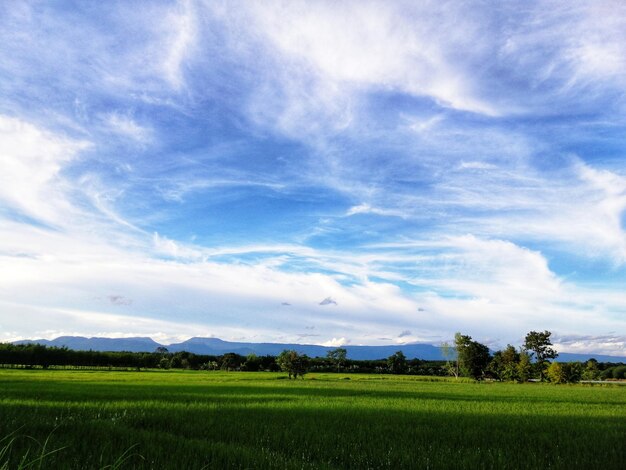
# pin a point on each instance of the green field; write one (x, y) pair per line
(192, 419)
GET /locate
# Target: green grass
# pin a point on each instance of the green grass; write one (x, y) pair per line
(189, 419)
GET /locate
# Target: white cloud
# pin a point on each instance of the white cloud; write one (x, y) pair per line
(178, 41)
(611, 344)
(336, 342)
(476, 166)
(367, 209)
(126, 126)
(31, 160)
(377, 44)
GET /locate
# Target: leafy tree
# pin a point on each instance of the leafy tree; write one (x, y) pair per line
(556, 373)
(591, 371)
(253, 363)
(397, 363)
(538, 344)
(573, 371)
(607, 373)
(510, 359)
(176, 361)
(524, 367)
(230, 361)
(164, 363)
(472, 356)
(337, 357)
(619, 372)
(293, 363)
(504, 364)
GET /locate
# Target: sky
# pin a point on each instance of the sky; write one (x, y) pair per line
(330, 173)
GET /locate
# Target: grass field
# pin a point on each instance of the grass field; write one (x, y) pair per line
(190, 419)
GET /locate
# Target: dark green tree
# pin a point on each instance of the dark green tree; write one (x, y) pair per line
(473, 357)
(230, 361)
(591, 371)
(397, 363)
(164, 363)
(253, 363)
(573, 371)
(538, 344)
(293, 363)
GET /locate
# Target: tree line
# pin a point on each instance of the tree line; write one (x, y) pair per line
(533, 360)
(464, 358)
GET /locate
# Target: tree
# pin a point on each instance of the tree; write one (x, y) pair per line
(524, 367)
(293, 363)
(510, 359)
(230, 361)
(573, 371)
(504, 364)
(556, 373)
(164, 363)
(337, 357)
(538, 344)
(472, 356)
(591, 371)
(253, 363)
(397, 363)
(452, 364)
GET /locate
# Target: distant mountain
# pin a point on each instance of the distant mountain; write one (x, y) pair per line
(582, 357)
(216, 346)
(80, 343)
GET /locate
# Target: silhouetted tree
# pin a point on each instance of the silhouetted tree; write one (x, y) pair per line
(252, 364)
(397, 363)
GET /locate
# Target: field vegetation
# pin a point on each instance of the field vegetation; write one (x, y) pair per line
(214, 419)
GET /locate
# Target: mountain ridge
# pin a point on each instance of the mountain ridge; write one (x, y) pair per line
(217, 346)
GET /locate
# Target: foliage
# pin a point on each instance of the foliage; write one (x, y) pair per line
(337, 357)
(538, 344)
(293, 363)
(472, 356)
(503, 366)
(556, 374)
(397, 363)
(619, 372)
(524, 367)
(252, 364)
(231, 361)
(452, 364)
(591, 372)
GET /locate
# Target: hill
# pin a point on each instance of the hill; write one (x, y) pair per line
(216, 346)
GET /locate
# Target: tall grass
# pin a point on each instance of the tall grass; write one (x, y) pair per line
(33, 457)
(199, 420)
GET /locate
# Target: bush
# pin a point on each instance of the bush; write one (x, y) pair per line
(619, 372)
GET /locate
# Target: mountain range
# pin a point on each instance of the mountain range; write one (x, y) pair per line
(216, 346)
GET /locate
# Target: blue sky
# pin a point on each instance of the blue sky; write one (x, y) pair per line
(319, 172)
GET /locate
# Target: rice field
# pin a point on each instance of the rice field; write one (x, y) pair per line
(195, 419)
